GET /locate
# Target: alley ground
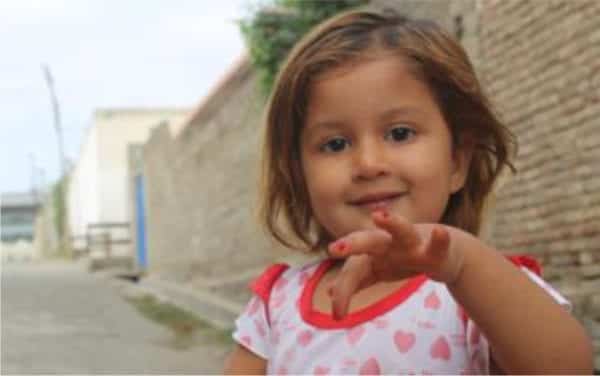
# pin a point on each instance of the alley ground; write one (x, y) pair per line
(57, 318)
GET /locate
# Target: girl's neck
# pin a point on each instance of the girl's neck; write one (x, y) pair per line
(362, 299)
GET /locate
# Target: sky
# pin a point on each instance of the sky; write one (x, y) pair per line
(101, 53)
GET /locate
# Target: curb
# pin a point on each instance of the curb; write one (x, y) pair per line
(219, 312)
(216, 310)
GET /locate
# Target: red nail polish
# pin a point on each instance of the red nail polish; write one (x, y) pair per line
(382, 213)
(341, 247)
(336, 316)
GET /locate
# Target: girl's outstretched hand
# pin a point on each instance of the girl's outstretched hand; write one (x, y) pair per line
(396, 249)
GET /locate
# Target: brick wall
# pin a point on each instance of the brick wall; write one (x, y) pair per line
(540, 62)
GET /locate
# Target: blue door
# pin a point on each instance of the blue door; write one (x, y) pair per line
(140, 213)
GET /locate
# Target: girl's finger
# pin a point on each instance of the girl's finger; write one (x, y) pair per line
(351, 278)
(403, 231)
(439, 242)
(448, 263)
(374, 242)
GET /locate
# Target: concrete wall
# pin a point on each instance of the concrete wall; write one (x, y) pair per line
(201, 189)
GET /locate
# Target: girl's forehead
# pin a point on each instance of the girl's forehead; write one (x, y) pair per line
(371, 84)
(350, 64)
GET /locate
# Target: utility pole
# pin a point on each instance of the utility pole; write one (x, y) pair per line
(61, 224)
(57, 123)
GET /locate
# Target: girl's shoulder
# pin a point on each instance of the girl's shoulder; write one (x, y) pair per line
(278, 275)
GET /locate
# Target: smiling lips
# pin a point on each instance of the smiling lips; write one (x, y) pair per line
(377, 200)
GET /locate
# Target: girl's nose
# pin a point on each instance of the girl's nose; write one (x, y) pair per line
(369, 162)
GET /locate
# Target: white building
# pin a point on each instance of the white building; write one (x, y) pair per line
(98, 189)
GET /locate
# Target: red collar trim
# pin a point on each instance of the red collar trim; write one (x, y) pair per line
(324, 320)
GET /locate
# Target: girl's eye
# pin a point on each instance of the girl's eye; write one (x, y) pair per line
(400, 134)
(334, 145)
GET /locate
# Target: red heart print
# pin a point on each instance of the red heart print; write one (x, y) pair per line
(355, 334)
(304, 337)
(288, 356)
(370, 367)
(432, 301)
(321, 370)
(404, 341)
(440, 349)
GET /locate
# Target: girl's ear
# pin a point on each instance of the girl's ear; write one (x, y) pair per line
(461, 162)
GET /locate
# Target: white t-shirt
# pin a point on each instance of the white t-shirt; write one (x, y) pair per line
(418, 329)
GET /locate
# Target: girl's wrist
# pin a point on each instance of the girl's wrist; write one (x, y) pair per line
(457, 253)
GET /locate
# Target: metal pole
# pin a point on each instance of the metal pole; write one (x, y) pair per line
(62, 229)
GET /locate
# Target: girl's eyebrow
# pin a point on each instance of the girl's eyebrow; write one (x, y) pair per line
(387, 115)
(323, 126)
(401, 111)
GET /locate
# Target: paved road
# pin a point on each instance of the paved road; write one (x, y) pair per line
(58, 318)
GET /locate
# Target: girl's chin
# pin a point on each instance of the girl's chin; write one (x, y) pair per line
(360, 226)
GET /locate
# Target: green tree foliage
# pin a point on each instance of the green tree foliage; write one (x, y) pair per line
(272, 30)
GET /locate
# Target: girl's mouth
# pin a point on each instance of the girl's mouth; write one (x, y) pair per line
(377, 201)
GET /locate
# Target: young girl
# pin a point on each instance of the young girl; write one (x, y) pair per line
(380, 150)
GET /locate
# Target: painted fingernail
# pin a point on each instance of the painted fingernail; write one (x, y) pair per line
(340, 247)
(336, 315)
(382, 213)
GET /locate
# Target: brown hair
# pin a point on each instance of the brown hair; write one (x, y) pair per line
(435, 58)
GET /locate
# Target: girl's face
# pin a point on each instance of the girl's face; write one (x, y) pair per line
(375, 138)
